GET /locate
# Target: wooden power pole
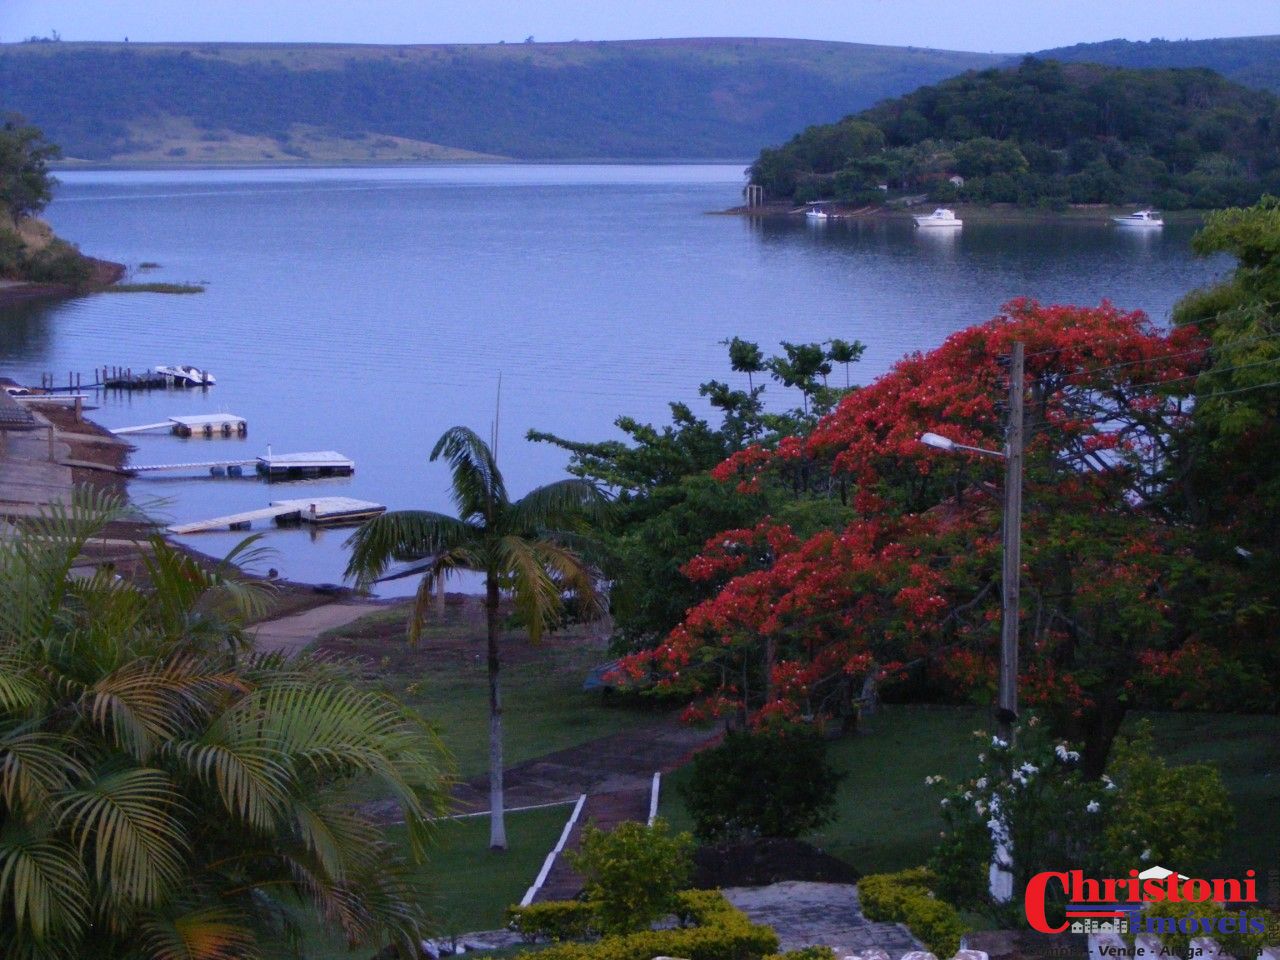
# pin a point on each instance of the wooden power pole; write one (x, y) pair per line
(1007, 706)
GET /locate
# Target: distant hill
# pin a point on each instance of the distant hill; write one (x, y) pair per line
(1044, 133)
(1253, 61)
(697, 99)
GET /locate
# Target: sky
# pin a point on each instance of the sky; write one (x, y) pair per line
(1004, 26)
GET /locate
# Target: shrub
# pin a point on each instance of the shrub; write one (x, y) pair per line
(722, 932)
(555, 920)
(907, 897)
(633, 873)
(1162, 814)
(770, 784)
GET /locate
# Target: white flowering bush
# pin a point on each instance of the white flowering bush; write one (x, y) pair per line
(1032, 794)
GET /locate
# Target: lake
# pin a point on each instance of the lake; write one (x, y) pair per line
(367, 310)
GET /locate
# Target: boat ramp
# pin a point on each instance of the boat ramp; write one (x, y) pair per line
(321, 511)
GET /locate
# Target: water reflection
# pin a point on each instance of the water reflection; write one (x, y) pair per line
(367, 311)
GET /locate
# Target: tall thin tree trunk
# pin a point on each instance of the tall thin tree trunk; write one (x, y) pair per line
(497, 820)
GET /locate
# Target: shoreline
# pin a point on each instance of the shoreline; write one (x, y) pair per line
(45, 466)
(977, 213)
(71, 166)
(103, 274)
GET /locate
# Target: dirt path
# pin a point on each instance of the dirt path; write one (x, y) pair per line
(290, 634)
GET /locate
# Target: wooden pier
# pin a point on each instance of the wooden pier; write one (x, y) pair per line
(204, 424)
(321, 511)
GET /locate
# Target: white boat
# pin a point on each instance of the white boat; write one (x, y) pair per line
(941, 217)
(1139, 218)
(818, 211)
(184, 375)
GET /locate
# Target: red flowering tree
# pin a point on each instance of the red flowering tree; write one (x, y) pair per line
(798, 624)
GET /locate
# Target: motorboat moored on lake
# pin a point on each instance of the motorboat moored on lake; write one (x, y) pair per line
(185, 375)
(1139, 218)
(942, 217)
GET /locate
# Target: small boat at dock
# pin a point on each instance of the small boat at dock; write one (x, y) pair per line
(185, 375)
(1139, 218)
(942, 217)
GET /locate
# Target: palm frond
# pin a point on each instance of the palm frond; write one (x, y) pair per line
(535, 595)
(573, 576)
(399, 536)
(438, 571)
(565, 503)
(127, 817)
(207, 934)
(35, 765)
(250, 777)
(477, 488)
(43, 889)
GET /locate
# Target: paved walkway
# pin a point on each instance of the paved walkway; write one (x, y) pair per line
(820, 914)
(290, 634)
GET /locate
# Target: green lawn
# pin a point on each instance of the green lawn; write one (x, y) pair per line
(444, 677)
(887, 817)
(472, 885)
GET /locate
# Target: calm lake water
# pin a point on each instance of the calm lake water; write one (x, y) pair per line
(367, 310)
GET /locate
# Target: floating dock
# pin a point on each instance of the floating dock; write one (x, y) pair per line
(322, 511)
(296, 466)
(204, 424)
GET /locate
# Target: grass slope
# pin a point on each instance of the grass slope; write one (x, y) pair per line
(445, 677)
(696, 98)
(472, 886)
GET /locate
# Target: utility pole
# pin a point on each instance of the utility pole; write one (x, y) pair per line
(1007, 705)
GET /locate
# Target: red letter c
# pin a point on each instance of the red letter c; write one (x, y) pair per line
(1034, 901)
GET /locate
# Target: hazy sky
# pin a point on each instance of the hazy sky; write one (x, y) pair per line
(984, 25)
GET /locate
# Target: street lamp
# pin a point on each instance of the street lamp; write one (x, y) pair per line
(1001, 877)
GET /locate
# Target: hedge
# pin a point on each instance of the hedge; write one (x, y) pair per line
(555, 920)
(907, 898)
(719, 931)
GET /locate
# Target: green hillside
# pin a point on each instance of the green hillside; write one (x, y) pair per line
(1253, 61)
(704, 99)
(1045, 133)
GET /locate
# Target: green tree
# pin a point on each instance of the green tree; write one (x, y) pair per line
(844, 353)
(520, 547)
(167, 792)
(26, 186)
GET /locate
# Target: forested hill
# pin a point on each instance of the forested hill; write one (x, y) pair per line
(704, 99)
(1253, 61)
(1045, 133)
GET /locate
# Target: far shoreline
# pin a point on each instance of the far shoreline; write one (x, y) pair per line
(976, 213)
(73, 165)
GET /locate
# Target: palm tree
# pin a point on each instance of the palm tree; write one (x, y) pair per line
(165, 791)
(521, 547)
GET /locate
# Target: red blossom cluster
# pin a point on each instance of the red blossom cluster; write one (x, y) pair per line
(913, 578)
